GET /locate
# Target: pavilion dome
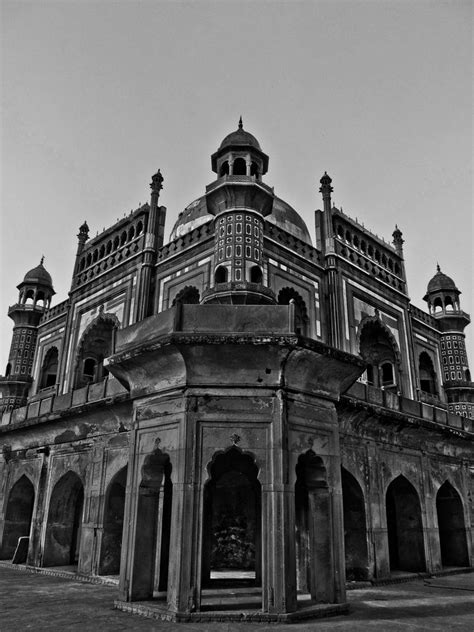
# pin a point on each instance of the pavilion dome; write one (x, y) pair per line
(441, 283)
(38, 276)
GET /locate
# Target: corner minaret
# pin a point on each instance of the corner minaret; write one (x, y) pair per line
(35, 293)
(442, 297)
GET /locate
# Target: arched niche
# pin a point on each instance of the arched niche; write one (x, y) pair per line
(232, 520)
(427, 374)
(378, 348)
(404, 527)
(188, 295)
(18, 513)
(153, 527)
(49, 369)
(313, 531)
(114, 507)
(95, 345)
(63, 528)
(451, 526)
(355, 528)
(287, 294)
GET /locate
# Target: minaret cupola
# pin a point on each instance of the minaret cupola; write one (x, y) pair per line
(240, 154)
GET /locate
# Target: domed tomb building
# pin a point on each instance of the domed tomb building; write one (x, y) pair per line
(240, 419)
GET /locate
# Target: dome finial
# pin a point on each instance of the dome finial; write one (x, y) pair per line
(438, 269)
(241, 125)
(42, 259)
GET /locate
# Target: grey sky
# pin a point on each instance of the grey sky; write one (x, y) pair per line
(97, 95)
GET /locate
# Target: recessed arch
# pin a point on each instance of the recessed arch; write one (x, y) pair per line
(451, 526)
(221, 274)
(114, 507)
(188, 295)
(239, 168)
(95, 345)
(379, 349)
(63, 529)
(427, 374)
(232, 518)
(355, 528)
(153, 526)
(18, 513)
(404, 526)
(313, 535)
(287, 294)
(49, 370)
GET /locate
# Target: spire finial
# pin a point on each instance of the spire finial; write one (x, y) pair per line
(241, 125)
(42, 259)
(438, 269)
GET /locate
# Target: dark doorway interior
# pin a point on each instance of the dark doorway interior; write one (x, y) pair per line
(452, 530)
(63, 532)
(232, 522)
(18, 515)
(404, 526)
(113, 524)
(355, 530)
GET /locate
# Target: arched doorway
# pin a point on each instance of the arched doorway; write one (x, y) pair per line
(153, 527)
(452, 530)
(232, 521)
(427, 374)
(404, 527)
(17, 515)
(63, 530)
(113, 524)
(355, 528)
(314, 565)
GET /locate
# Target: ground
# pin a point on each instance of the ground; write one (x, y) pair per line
(34, 601)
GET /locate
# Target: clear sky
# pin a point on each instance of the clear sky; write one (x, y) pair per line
(96, 95)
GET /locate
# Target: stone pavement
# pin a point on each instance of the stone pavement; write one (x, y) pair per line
(32, 601)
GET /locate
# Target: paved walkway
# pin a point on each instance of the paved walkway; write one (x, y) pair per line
(39, 602)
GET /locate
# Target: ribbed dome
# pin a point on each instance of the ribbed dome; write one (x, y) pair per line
(39, 276)
(441, 282)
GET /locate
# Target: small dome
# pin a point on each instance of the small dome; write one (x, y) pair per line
(194, 215)
(441, 282)
(241, 138)
(285, 217)
(39, 276)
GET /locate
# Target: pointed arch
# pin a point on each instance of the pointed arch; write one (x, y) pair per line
(114, 508)
(378, 347)
(404, 526)
(313, 533)
(49, 369)
(153, 526)
(427, 374)
(451, 526)
(188, 295)
(63, 529)
(18, 514)
(287, 294)
(232, 517)
(355, 528)
(95, 345)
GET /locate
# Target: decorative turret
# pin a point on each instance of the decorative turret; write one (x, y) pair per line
(35, 293)
(398, 241)
(442, 297)
(240, 201)
(326, 189)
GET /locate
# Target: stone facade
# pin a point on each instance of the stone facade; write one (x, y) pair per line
(238, 409)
